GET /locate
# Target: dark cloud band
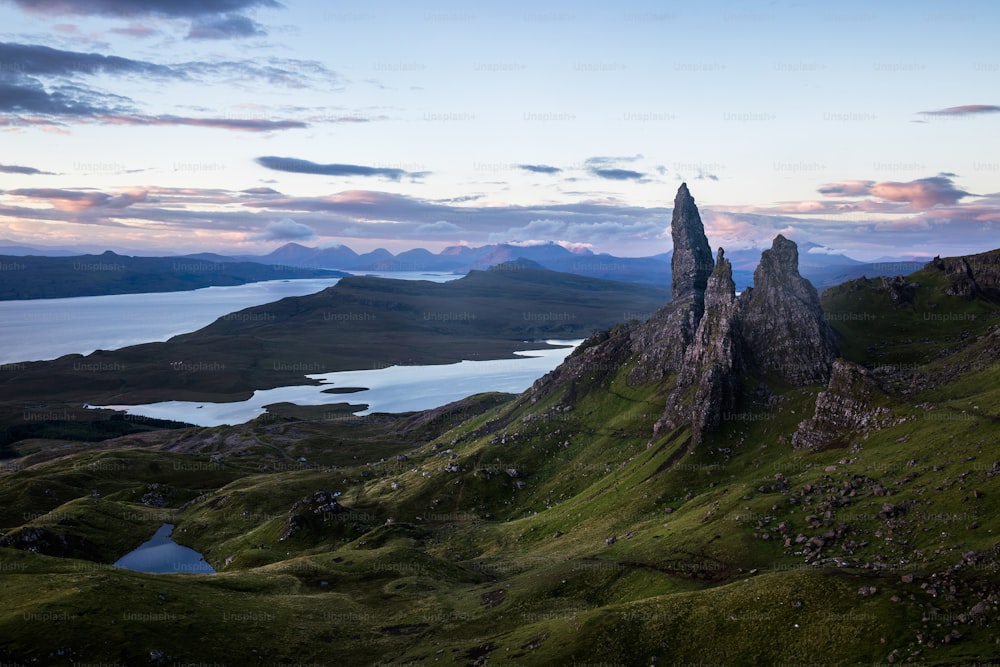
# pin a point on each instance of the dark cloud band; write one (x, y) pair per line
(18, 169)
(134, 8)
(297, 166)
(539, 168)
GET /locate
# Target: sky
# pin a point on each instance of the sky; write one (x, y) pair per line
(235, 126)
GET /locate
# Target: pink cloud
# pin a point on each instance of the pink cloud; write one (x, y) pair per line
(921, 194)
(77, 201)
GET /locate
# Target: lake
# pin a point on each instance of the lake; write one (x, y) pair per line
(40, 329)
(161, 555)
(393, 389)
(49, 328)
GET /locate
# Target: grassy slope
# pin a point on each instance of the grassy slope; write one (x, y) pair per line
(471, 565)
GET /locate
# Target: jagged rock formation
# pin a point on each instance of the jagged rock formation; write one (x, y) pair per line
(784, 329)
(707, 383)
(970, 275)
(691, 263)
(899, 289)
(845, 410)
(659, 344)
(703, 342)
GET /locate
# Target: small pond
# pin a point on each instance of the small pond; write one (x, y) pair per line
(162, 555)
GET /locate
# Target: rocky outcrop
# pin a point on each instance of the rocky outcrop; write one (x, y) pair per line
(312, 510)
(41, 540)
(970, 276)
(699, 346)
(691, 263)
(659, 344)
(785, 332)
(707, 383)
(600, 356)
(846, 410)
(899, 289)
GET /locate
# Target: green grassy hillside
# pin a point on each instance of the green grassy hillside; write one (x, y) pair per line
(550, 528)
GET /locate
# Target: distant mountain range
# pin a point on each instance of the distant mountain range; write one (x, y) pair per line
(823, 269)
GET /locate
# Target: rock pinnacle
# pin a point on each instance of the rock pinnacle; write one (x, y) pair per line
(691, 264)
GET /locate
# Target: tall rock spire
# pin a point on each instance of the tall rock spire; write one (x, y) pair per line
(661, 347)
(691, 264)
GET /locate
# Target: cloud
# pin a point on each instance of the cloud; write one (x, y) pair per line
(606, 168)
(461, 199)
(922, 193)
(535, 229)
(260, 191)
(539, 168)
(606, 160)
(133, 8)
(617, 174)
(225, 27)
(285, 229)
(238, 124)
(38, 60)
(18, 169)
(284, 72)
(846, 188)
(31, 97)
(41, 86)
(297, 166)
(823, 250)
(196, 217)
(439, 227)
(81, 200)
(964, 110)
(137, 30)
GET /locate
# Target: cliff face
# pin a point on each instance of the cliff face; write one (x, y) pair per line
(785, 332)
(846, 411)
